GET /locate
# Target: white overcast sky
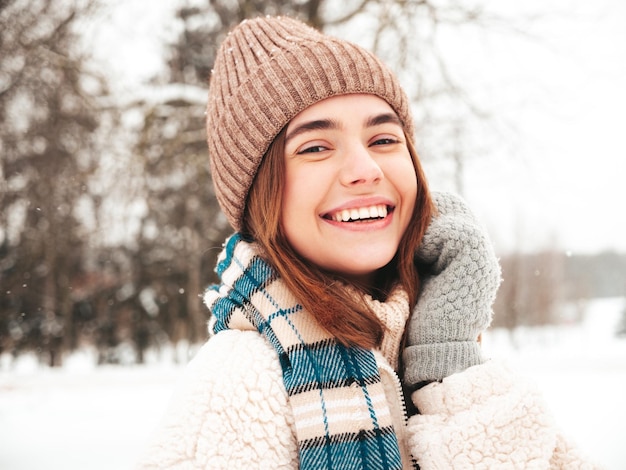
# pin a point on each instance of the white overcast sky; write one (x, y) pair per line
(564, 185)
(557, 181)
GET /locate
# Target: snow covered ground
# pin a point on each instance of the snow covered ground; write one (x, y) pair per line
(83, 417)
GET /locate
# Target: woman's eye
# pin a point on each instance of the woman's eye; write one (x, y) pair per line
(385, 141)
(312, 149)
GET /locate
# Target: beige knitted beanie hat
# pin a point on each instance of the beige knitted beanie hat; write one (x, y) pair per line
(267, 71)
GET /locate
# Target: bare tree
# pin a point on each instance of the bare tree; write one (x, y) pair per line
(531, 293)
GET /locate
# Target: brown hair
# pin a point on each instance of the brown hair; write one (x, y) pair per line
(351, 322)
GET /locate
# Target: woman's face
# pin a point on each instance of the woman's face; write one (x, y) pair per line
(350, 185)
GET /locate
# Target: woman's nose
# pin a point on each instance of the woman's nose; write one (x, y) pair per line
(360, 167)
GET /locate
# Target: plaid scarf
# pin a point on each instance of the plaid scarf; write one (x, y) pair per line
(341, 414)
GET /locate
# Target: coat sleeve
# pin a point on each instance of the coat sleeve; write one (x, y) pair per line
(486, 417)
(230, 411)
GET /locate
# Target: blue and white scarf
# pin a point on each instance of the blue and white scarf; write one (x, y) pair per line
(341, 413)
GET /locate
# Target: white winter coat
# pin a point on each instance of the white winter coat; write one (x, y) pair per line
(232, 412)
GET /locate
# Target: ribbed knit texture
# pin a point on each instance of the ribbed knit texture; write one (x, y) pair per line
(267, 71)
(393, 314)
(338, 401)
(455, 303)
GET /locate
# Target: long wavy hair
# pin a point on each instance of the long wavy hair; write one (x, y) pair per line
(342, 314)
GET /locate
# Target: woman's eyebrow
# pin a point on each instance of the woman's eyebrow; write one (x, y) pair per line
(323, 124)
(383, 119)
(319, 124)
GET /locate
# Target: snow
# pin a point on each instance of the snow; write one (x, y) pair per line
(82, 416)
(95, 419)
(581, 371)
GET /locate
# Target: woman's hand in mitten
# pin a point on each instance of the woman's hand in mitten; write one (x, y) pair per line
(461, 278)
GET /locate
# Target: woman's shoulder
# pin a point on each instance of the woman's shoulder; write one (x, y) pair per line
(504, 418)
(240, 367)
(237, 352)
(231, 390)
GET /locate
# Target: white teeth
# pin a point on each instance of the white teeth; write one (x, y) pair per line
(372, 212)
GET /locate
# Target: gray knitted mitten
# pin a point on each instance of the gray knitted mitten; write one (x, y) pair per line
(455, 302)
